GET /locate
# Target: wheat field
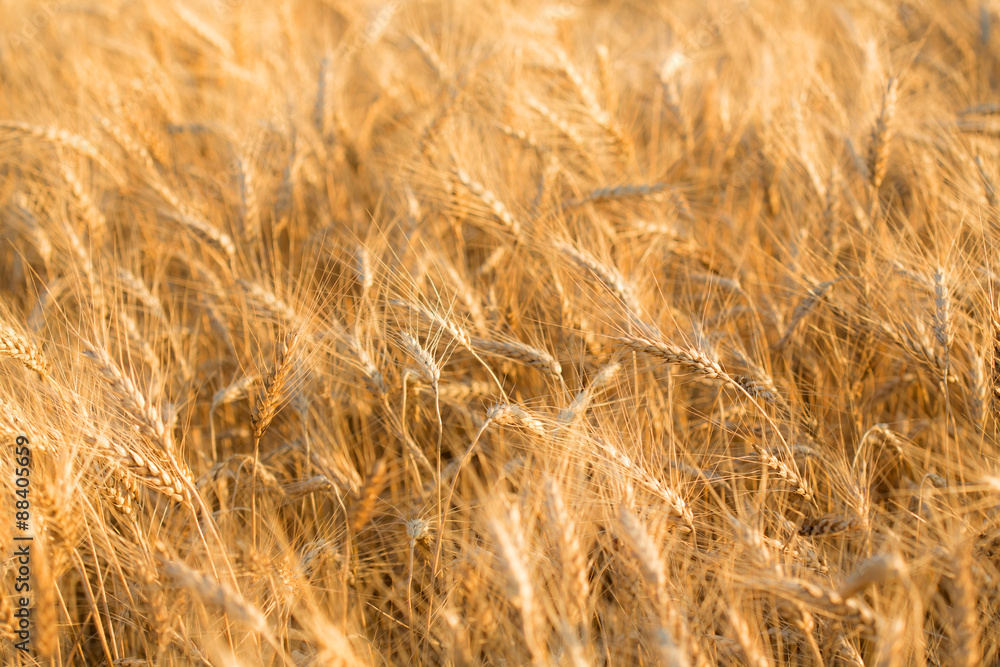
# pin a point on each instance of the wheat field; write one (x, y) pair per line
(465, 333)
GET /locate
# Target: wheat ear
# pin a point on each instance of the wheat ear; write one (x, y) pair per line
(18, 347)
(362, 509)
(152, 474)
(608, 276)
(521, 353)
(881, 136)
(803, 308)
(430, 317)
(670, 634)
(965, 611)
(132, 401)
(509, 539)
(497, 207)
(215, 594)
(274, 386)
(944, 332)
(575, 580)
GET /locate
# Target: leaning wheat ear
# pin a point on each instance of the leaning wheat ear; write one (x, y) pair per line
(607, 275)
(132, 401)
(522, 353)
(20, 348)
(582, 400)
(175, 485)
(215, 594)
(62, 139)
(689, 359)
(430, 317)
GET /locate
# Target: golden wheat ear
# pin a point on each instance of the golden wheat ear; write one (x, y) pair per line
(19, 348)
(881, 136)
(131, 400)
(274, 386)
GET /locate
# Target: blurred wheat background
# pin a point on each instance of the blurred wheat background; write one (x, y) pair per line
(469, 333)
